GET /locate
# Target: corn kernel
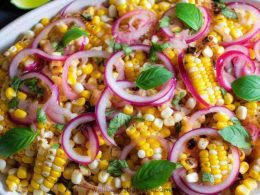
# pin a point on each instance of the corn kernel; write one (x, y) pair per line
(228, 98)
(244, 166)
(79, 102)
(19, 113)
(86, 94)
(61, 188)
(45, 21)
(10, 93)
(128, 109)
(21, 95)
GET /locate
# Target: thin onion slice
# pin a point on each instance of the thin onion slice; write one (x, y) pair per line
(240, 48)
(69, 93)
(124, 153)
(257, 50)
(200, 188)
(94, 145)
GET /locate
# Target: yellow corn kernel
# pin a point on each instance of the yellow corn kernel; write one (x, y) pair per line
(11, 186)
(228, 98)
(45, 21)
(231, 107)
(86, 94)
(13, 179)
(242, 190)
(103, 164)
(10, 93)
(52, 179)
(24, 183)
(204, 153)
(244, 166)
(19, 113)
(165, 132)
(128, 109)
(63, 28)
(21, 95)
(221, 117)
(48, 184)
(221, 125)
(96, 20)
(22, 172)
(126, 184)
(254, 174)
(59, 161)
(60, 153)
(61, 188)
(79, 102)
(96, 74)
(87, 69)
(68, 192)
(250, 183)
(55, 174)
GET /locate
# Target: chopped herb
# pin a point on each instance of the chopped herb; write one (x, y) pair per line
(176, 100)
(33, 87)
(157, 47)
(178, 127)
(59, 126)
(137, 118)
(164, 22)
(16, 140)
(87, 16)
(153, 174)
(117, 46)
(235, 121)
(15, 83)
(13, 103)
(229, 13)
(207, 177)
(119, 120)
(116, 167)
(71, 35)
(223, 91)
(55, 146)
(41, 116)
(110, 111)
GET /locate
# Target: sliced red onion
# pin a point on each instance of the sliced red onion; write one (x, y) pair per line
(200, 188)
(147, 21)
(126, 150)
(190, 38)
(188, 83)
(13, 68)
(66, 136)
(135, 99)
(213, 109)
(70, 94)
(255, 28)
(238, 60)
(240, 48)
(257, 50)
(44, 33)
(253, 131)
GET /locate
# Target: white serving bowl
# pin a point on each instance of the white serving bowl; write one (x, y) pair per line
(10, 33)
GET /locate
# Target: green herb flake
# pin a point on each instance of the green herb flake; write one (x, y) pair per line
(127, 49)
(207, 177)
(177, 98)
(13, 103)
(223, 91)
(235, 121)
(15, 83)
(116, 167)
(16, 140)
(157, 47)
(41, 116)
(153, 174)
(71, 35)
(153, 77)
(33, 87)
(59, 126)
(87, 16)
(247, 87)
(190, 15)
(178, 127)
(55, 146)
(229, 13)
(237, 135)
(164, 22)
(117, 47)
(119, 120)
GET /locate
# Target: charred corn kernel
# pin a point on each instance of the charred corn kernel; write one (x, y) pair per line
(59, 161)
(88, 69)
(21, 95)
(19, 113)
(244, 166)
(45, 21)
(80, 101)
(10, 93)
(22, 172)
(128, 109)
(242, 190)
(86, 94)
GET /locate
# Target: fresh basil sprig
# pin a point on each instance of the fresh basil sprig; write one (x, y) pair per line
(207, 177)
(41, 116)
(116, 167)
(157, 47)
(153, 77)
(15, 140)
(72, 34)
(190, 15)
(247, 87)
(118, 121)
(237, 135)
(153, 174)
(164, 22)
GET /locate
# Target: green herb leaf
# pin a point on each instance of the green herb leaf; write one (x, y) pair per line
(117, 46)
(177, 98)
(235, 121)
(55, 146)
(156, 47)
(207, 177)
(72, 34)
(13, 103)
(59, 126)
(41, 116)
(237, 135)
(15, 83)
(190, 15)
(115, 167)
(33, 87)
(127, 49)
(153, 77)
(178, 127)
(153, 174)
(87, 16)
(247, 87)
(119, 120)
(219, 1)
(16, 140)
(229, 13)
(164, 22)
(223, 91)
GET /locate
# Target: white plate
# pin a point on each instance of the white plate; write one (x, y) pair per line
(10, 33)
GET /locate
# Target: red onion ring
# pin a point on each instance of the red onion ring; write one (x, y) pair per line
(257, 50)
(239, 48)
(135, 99)
(191, 38)
(13, 68)
(126, 150)
(148, 21)
(255, 28)
(227, 59)
(48, 28)
(199, 188)
(188, 83)
(69, 93)
(94, 143)
(253, 131)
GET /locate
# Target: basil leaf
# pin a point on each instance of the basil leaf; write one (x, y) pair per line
(153, 174)
(59, 126)
(235, 121)
(190, 15)
(177, 98)
(207, 177)
(16, 140)
(156, 47)
(153, 77)
(115, 167)
(55, 146)
(13, 103)
(15, 83)
(229, 13)
(41, 116)
(247, 87)
(117, 46)
(119, 120)
(33, 87)
(164, 22)
(237, 135)
(73, 34)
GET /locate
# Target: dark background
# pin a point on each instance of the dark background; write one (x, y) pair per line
(8, 12)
